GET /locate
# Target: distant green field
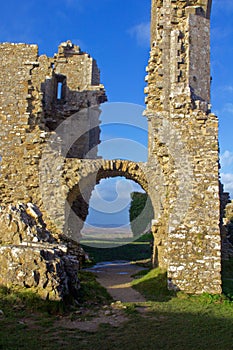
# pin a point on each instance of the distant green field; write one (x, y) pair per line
(133, 251)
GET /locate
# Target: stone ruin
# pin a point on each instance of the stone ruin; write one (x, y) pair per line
(37, 94)
(45, 190)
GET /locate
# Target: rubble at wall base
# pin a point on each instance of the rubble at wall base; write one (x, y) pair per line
(34, 259)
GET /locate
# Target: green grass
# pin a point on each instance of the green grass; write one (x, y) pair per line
(91, 292)
(137, 250)
(172, 321)
(28, 322)
(153, 285)
(20, 300)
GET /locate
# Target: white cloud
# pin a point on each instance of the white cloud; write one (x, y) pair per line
(113, 195)
(142, 33)
(226, 158)
(226, 161)
(223, 88)
(228, 107)
(227, 181)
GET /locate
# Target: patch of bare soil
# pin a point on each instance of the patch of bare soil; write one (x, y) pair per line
(89, 321)
(116, 278)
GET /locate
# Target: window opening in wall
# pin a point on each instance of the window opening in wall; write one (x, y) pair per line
(59, 90)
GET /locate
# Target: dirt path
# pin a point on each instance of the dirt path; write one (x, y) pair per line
(116, 277)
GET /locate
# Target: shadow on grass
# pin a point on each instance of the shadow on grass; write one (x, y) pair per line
(91, 292)
(227, 278)
(27, 299)
(22, 299)
(163, 330)
(153, 285)
(166, 331)
(192, 323)
(131, 252)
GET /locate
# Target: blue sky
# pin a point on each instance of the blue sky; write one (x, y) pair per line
(116, 33)
(222, 83)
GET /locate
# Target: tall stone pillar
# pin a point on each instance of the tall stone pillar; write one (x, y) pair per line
(183, 144)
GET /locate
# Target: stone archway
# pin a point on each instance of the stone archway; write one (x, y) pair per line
(79, 192)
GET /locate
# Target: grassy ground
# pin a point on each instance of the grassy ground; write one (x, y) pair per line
(29, 323)
(137, 250)
(227, 278)
(166, 321)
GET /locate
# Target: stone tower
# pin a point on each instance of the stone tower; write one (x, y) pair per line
(183, 144)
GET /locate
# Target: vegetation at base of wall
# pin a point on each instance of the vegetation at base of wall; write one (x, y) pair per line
(91, 292)
(28, 300)
(153, 285)
(18, 299)
(227, 278)
(166, 321)
(140, 213)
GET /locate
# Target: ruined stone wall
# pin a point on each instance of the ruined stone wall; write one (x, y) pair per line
(34, 115)
(31, 111)
(49, 116)
(31, 257)
(15, 116)
(68, 196)
(183, 139)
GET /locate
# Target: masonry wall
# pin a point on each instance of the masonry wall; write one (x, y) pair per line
(48, 113)
(15, 115)
(31, 111)
(183, 140)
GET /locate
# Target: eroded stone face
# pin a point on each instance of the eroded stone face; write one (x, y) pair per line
(31, 257)
(49, 270)
(184, 141)
(38, 94)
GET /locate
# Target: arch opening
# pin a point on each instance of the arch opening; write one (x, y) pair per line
(109, 209)
(99, 210)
